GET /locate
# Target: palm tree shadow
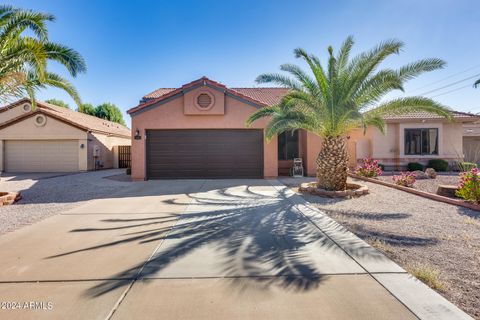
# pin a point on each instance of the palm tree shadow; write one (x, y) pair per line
(263, 243)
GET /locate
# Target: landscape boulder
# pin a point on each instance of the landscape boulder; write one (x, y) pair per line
(431, 173)
(420, 174)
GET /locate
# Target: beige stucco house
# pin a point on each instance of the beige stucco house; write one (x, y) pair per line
(471, 141)
(49, 138)
(198, 131)
(414, 137)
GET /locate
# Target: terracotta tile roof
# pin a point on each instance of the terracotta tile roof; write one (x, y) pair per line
(266, 96)
(271, 96)
(431, 116)
(261, 96)
(78, 119)
(157, 93)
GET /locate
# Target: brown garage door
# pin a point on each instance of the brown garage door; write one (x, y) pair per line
(177, 154)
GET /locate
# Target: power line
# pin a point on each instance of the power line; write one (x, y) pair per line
(446, 78)
(451, 84)
(457, 89)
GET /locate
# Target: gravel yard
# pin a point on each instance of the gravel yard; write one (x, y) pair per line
(428, 185)
(45, 195)
(415, 231)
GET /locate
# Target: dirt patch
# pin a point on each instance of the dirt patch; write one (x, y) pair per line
(415, 231)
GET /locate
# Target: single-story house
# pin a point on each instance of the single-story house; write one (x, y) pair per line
(198, 131)
(413, 137)
(471, 141)
(49, 138)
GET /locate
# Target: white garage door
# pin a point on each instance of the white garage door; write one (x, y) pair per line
(41, 155)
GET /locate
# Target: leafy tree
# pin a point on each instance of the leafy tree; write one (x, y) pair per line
(87, 108)
(109, 111)
(25, 52)
(58, 103)
(476, 83)
(345, 94)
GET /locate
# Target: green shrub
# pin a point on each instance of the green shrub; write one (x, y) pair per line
(382, 166)
(438, 164)
(414, 166)
(466, 166)
(469, 186)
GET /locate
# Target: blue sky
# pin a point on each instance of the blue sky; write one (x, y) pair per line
(132, 48)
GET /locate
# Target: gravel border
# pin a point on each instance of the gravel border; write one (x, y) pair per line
(413, 231)
(45, 195)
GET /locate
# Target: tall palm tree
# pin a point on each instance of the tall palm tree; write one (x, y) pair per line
(24, 57)
(347, 94)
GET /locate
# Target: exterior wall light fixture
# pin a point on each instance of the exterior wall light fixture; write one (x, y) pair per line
(137, 135)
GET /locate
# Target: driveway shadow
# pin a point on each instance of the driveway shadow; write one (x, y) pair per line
(259, 239)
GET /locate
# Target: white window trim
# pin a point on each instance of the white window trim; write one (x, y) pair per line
(425, 125)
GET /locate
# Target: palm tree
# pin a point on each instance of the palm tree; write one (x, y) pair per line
(24, 58)
(346, 95)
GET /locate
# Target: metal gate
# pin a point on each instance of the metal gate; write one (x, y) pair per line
(124, 158)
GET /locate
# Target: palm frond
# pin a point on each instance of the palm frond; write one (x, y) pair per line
(347, 94)
(412, 70)
(344, 53)
(279, 80)
(261, 113)
(25, 50)
(68, 57)
(401, 106)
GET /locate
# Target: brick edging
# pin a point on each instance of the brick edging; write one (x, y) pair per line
(424, 194)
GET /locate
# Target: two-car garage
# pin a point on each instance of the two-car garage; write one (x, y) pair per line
(199, 131)
(204, 153)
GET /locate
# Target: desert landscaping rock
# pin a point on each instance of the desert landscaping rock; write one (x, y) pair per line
(447, 190)
(45, 195)
(420, 175)
(414, 230)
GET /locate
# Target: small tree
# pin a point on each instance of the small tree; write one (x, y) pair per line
(87, 108)
(58, 103)
(109, 111)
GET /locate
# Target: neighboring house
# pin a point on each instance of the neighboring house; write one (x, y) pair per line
(414, 137)
(54, 139)
(471, 141)
(198, 131)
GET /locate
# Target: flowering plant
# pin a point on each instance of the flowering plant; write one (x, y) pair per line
(406, 179)
(370, 168)
(469, 186)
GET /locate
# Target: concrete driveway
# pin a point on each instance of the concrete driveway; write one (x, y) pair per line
(203, 249)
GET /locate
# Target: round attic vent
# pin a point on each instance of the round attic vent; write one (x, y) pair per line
(27, 107)
(204, 100)
(40, 120)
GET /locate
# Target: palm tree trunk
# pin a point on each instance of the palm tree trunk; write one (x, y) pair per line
(332, 164)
